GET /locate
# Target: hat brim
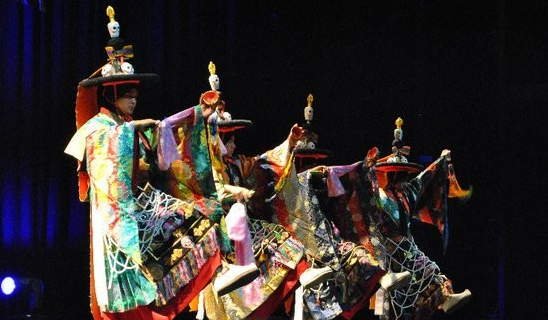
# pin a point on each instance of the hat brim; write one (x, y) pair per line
(312, 153)
(382, 169)
(409, 167)
(141, 78)
(233, 125)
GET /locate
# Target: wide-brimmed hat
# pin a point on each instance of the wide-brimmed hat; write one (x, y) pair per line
(307, 146)
(396, 162)
(233, 125)
(223, 118)
(408, 167)
(225, 123)
(117, 71)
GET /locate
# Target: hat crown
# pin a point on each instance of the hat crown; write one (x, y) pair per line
(309, 139)
(396, 161)
(117, 50)
(222, 118)
(117, 70)
(307, 145)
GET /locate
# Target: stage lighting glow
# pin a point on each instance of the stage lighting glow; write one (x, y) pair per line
(8, 286)
(20, 297)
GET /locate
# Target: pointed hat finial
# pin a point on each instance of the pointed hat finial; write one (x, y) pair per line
(399, 122)
(211, 68)
(110, 13)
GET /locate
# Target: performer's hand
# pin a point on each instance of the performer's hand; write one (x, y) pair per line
(144, 124)
(319, 169)
(239, 193)
(247, 194)
(447, 154)
(206, 110)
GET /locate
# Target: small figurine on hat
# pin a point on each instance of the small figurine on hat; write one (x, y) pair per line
(214, 81)
(116, 49)
(399, 151)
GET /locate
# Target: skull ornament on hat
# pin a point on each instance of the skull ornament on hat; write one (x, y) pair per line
(116, 50)
(214, 81)
(113, 26)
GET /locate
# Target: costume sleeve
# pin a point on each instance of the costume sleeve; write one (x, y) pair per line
(246, 165)
(110, 153)
(417, 186)
(431, 190)
(165, 142)
(191, 174)
(77, 144)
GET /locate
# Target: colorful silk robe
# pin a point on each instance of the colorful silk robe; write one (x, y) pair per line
(191, 174)
(119, 285)
(122, 279)
(276, 253)
(298, 204)
(388, 213)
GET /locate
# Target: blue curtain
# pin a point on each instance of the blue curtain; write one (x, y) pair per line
(43, 55)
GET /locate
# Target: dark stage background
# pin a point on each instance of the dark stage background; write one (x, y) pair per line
(470, 76)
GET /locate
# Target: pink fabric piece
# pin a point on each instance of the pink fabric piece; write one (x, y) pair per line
(175, 120)
(238, 231)
(167, 147)
(334, 185)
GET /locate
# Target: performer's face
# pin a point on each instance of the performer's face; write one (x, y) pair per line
(230, 146)
(127, 102)
(401, 185)
(398, 180)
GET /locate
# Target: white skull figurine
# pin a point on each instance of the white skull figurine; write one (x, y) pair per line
(227, 116)
(398, 134)
(114, 29)
(107, 70)
(214, 82)
(127, 68)
(308, 113)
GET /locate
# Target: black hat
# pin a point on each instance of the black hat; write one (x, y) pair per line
(396, 163)
(223, 118)
(117, 71)
(306, 147)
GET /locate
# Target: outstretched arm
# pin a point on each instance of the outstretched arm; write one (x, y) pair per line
(144, 124)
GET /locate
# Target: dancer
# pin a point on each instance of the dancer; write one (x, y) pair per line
(391, 198)
(150, 252)
(344, 275)
(268, 245)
